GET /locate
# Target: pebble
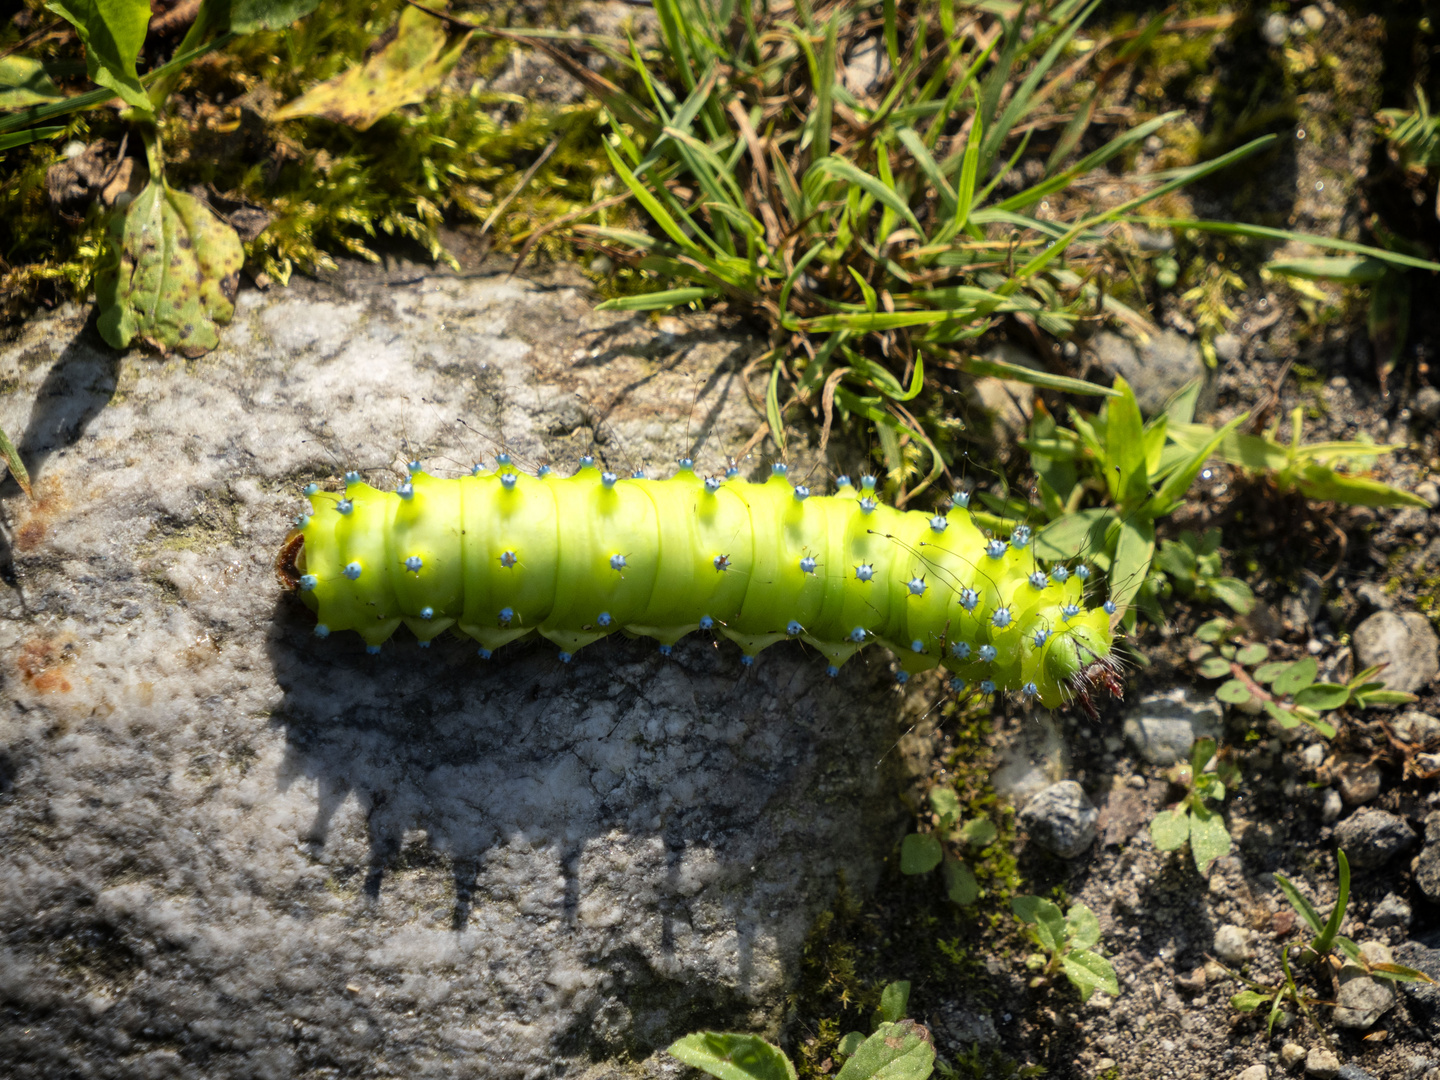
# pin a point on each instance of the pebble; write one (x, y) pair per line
(1403, 640)
(1313, 756)
(1275, 29)
(1331, 806)
(1392, 911)
(1062, 819)
(1313, 18)
(1162, 727)
(1291, 1054)
(1426, 403)
(1371, 837)
(1359, 781)
(1429, 491)
(1255, 1072)
(1227, 347)
(1353, 1072)
(1155, 370)
(1321, 1063)
(1419, 728)
(1427, 872)
(1363, 1000)
(1232, 944)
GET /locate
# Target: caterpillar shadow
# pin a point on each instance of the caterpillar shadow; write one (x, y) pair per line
(670, 827)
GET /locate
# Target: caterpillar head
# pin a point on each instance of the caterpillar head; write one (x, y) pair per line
(290, 561)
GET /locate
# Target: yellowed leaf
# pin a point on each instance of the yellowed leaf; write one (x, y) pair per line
(402, 73)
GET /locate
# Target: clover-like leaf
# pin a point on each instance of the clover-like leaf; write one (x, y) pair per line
(170, 274)
(1249, 1000)
(1233, 692)
(978, 833)
(900, 1051)
(946, 805)
(404, 72)
(1268, 673)
(733, 1057)
(1234, 593)
(1047, 919)
(1251, 655)
(1170, 828)
(960, 884)
(1323, 696)
(1209, 839)
(893, 1001)
(920, 853)
(1214, 667)
(1083, 926)
(1296, 677)
(1213, 630)
(1090, 971)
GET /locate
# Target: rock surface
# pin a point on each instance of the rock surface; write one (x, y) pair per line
(1062, 820)
(1403, 640)
(1156, 370)
(232, 849)
(1372, 837)
(1162, 727)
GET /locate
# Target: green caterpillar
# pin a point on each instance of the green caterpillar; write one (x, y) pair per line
(500, 555)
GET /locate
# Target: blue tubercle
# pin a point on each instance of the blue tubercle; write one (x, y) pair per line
(1041, 636)
(807, 565)
(544, 470)
(321, 630)
(502, 459)
(722, 562)
(864, 572)
(406, 490)
(506, 614)
(308, 582)
(484, 653)
(1001, 618)
(962, 500)
(916, 585)
(604, 619)
(917, 645)
(1109, 607)
(712, 484)
(960, 650)
(302, 520)
(1082, 572)
(969, 598)
(793, 628)
(617, 562)
(508, 480)
(958, 685)
(779, 469)
(477, 468)
(587, 462)
(352, 477)
(1021, 536)
(310, 489)
(867, 505)
(731, 472)
(665, 650)
(638, 474)
(996, 548)
(373, 650)
(987, 686)
(747, 659)
(987, 653)
(565, 657)
(1030, 690)
(801, 493)
(1038, 580)
(842, 481)
(858, 635)
(1069, 611)
(344, 506)
(427, 613)
(608, 478)
(414, 466)
(414, 563)
(938, 523)
(1059, 574)
(423, 644)
(706, 622)
(902, 677)
(508, 558)
(352, 570)
(686, 464)
(867, 482)
(832, 670)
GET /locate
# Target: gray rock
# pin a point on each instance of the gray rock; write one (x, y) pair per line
(1363, 1000)
(1427, 872)
(1061, 819)
(1353, 1072)
(1371, 837)
(1156, 371)
(1374, 597)
(1232, 944)
(1321, 1063)
(1331, 806)
(1418, 728)
(1426, 403)
(1392, 911)
(1254, 1072)
(1403, 640)
(1162, 727)
(228, 842)
(1359, 781)
(1422, 997)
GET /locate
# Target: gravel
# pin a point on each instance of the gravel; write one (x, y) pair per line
(1371, 838)
(1062, 820)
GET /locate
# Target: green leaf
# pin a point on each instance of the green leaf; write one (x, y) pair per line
(23, 82)
(1399, 973)
(1233, 692)
(1302, 906)
(1201, 751)
(1172, 491)
(1251, 655)
(1249, 1000)
(978, 833)
(658, 301)
(1170, 828)
(1324, 484)
(1268, 673)
(1212, 631)
(893, 1000)
(1125, 471)
(1047, 919)
(113, 32)
(1001, 369)
(895, 1052)
(1234, 593)
(772, 407)
(920, 853)
(169, 275)
(844, 170)
(248, 16)
(1265, 232)
(1083, 927)
(1090, 971)
(850, 1043)
(733, 1057)
(1283, 716)
(404, 72)
(1323, 696)
(1326, 936)
(946, 805)
(960, 884)
(1133, 552)
(1296, 677)
(13, 139)
(10, 457)
(1209, 839)
(1074, 535)
(1214, 667)
(1354, 269)
(1370, 698)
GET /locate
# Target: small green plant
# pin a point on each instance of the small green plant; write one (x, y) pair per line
(1193, 820)
(1286, 690)
(1067, 944)
(920, 853)
(1192, 565)
(1317, 954)
(896, 1049)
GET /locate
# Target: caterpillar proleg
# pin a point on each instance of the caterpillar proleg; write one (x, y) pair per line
(500, 555)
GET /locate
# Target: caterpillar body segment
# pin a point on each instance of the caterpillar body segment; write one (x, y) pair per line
(500, 555)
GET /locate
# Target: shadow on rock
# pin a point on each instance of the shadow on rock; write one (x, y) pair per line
(644, 839)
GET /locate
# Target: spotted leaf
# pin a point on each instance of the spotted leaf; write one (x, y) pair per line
(170, 274)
